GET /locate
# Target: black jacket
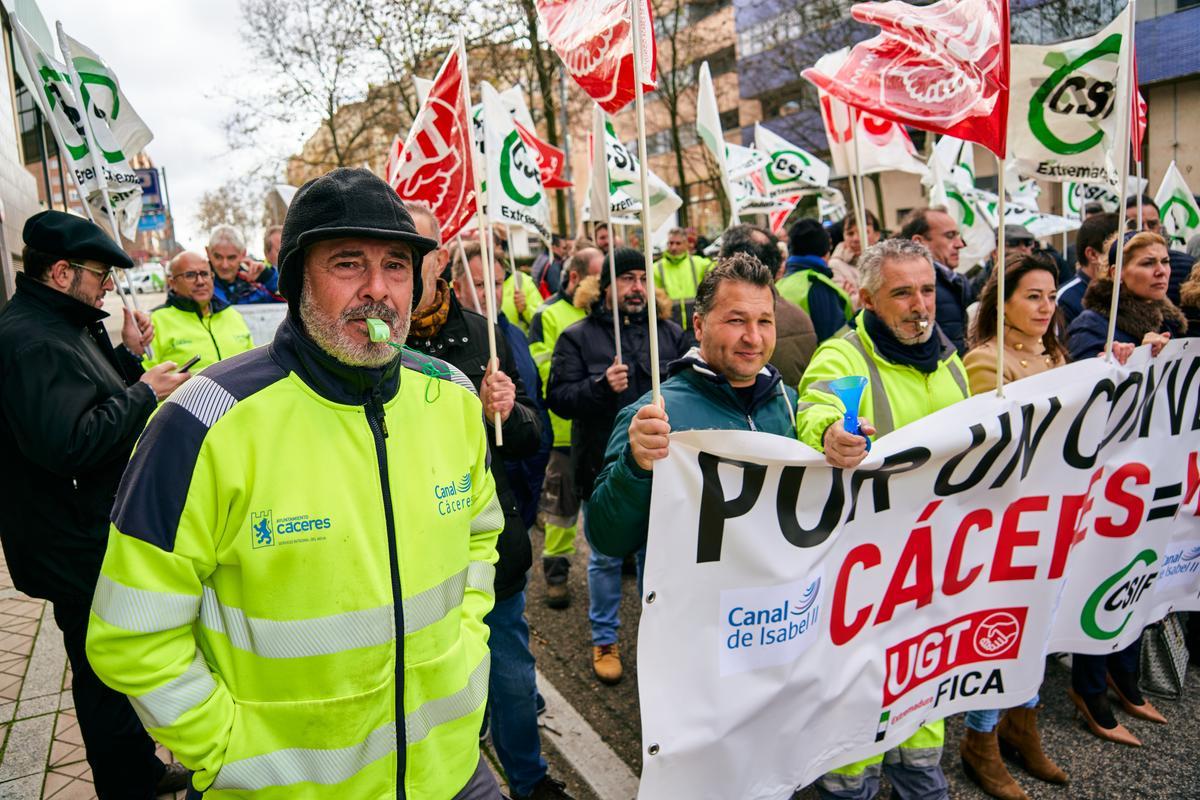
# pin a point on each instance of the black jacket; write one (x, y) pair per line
(463, 342)
(578, 390)
(954, 294)
(71, 410)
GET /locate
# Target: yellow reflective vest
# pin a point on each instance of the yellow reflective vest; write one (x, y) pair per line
(508, 303)
(555, 315)
(181, 332)
(297, 574)
(896, 394)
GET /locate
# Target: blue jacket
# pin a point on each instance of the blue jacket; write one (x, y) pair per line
(239, 291)
(825, 307)
(618, 514)
(1070, 296)
(954, 294)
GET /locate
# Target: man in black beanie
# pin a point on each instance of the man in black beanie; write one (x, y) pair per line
(303, 546)
(588, 385)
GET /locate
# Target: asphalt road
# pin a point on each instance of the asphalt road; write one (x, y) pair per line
(1166, 767)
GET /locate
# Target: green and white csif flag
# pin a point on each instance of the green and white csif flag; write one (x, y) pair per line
(1177, 207)
(740, 160)
(951, 184)
(1076, 195)
(708, 125)
(791, 169)
(514, 184)
(624, 175)
(1065, 106)
(60, 104)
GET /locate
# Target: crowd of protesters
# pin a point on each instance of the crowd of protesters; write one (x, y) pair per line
(309, 576)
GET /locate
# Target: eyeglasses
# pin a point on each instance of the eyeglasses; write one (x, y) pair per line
(194, 275)
(104, 274)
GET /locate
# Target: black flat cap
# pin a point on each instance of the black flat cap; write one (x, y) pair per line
(68, 236)
(340, 204)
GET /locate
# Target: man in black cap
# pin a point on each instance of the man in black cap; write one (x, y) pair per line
(303, 546)
(588, 386)
(71, 409)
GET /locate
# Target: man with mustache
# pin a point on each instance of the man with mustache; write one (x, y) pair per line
(303, 545)
(589, 386)
(913, 370)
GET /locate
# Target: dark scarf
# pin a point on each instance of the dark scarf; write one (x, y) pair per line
(428, 322)
(924, 356)
(1136, 316)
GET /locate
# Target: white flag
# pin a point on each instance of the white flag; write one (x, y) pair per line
(623, 173)
(1065, 103)
(741, 160)
(1177, 207)
(791, 169)
(708, 125)
(952, 185)
(514, 184)
(883, 145)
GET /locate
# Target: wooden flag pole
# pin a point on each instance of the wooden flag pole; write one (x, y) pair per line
(1124, 146)
(462, 256)
(640, 108)
(856, 185)
(126, 294)
(1000, 276)
(485, 247)
(1137, 187)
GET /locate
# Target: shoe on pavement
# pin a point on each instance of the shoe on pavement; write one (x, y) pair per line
(1132, 700)
(606, 662)
(175, 779)
(1021, 741)
(558, 595)
(980, 753)
(1098, 716)
(547, 789)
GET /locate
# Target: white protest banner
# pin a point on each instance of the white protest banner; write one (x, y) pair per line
(798, 617)
(60, 104)
(1177, 207)
(708, 127)
(514, 192)
(791, 169)
(1062, 125)
(624, 174)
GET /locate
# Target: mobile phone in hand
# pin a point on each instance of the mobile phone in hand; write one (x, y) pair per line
(191, 362)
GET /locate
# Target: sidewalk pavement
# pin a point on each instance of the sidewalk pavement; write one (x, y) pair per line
(42, 752)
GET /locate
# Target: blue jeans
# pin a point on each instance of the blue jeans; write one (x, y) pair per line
(512, 696)
(986, 721)
(604, 592)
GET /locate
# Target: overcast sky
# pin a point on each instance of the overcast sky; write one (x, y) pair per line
(175, 60)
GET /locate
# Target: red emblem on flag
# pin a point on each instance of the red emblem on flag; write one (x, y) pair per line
(594, 39)
(942, 68)
(549, 158)
(434, 165)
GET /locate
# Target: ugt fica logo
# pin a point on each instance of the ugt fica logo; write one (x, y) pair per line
(261, 529)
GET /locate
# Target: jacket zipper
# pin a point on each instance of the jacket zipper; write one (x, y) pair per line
(208, 327)
(378, 425)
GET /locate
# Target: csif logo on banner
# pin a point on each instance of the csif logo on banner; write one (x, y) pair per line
(765, 626)
(788, 166)
(1075, 90)
(1109, 608)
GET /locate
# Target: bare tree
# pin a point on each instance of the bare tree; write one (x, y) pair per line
(238, 202)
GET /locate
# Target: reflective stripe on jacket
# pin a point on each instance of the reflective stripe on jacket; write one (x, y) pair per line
(181, 332)
(268, 543)
(896, 394)
(555, 316)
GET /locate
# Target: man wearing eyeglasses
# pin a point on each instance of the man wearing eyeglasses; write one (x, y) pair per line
(1181, 262)
(193, 322)
(71, 408)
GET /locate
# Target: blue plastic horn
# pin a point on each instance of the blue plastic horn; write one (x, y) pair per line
(850, 390)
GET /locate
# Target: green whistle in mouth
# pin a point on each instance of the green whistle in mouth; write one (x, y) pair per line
(378, 331)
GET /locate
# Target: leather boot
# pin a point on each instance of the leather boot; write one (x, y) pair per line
(981, 761)
(1019, 738)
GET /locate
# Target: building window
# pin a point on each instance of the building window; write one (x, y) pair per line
(790, 99)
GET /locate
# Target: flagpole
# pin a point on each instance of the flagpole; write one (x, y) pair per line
(462, 256)
(485, 247)
(1000, 276)
(127, 296)
(612, 266)
(1124, 137)
(860, 204)
(1138, 188)
(640, 108)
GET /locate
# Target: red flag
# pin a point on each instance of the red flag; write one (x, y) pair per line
(942, 68)
(434, 163)
(550, 159)
(1137, 131)
(594, 39)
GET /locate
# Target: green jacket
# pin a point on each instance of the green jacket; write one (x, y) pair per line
(696, 398)
(555, 315)
(680, 276)
(794, 288)
(508, 305)
(896, 394)
(283, 517)
(181, 332)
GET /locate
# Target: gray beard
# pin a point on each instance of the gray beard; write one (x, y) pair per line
(330, 333)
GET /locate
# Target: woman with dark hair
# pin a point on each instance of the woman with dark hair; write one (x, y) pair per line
(1031, 346)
